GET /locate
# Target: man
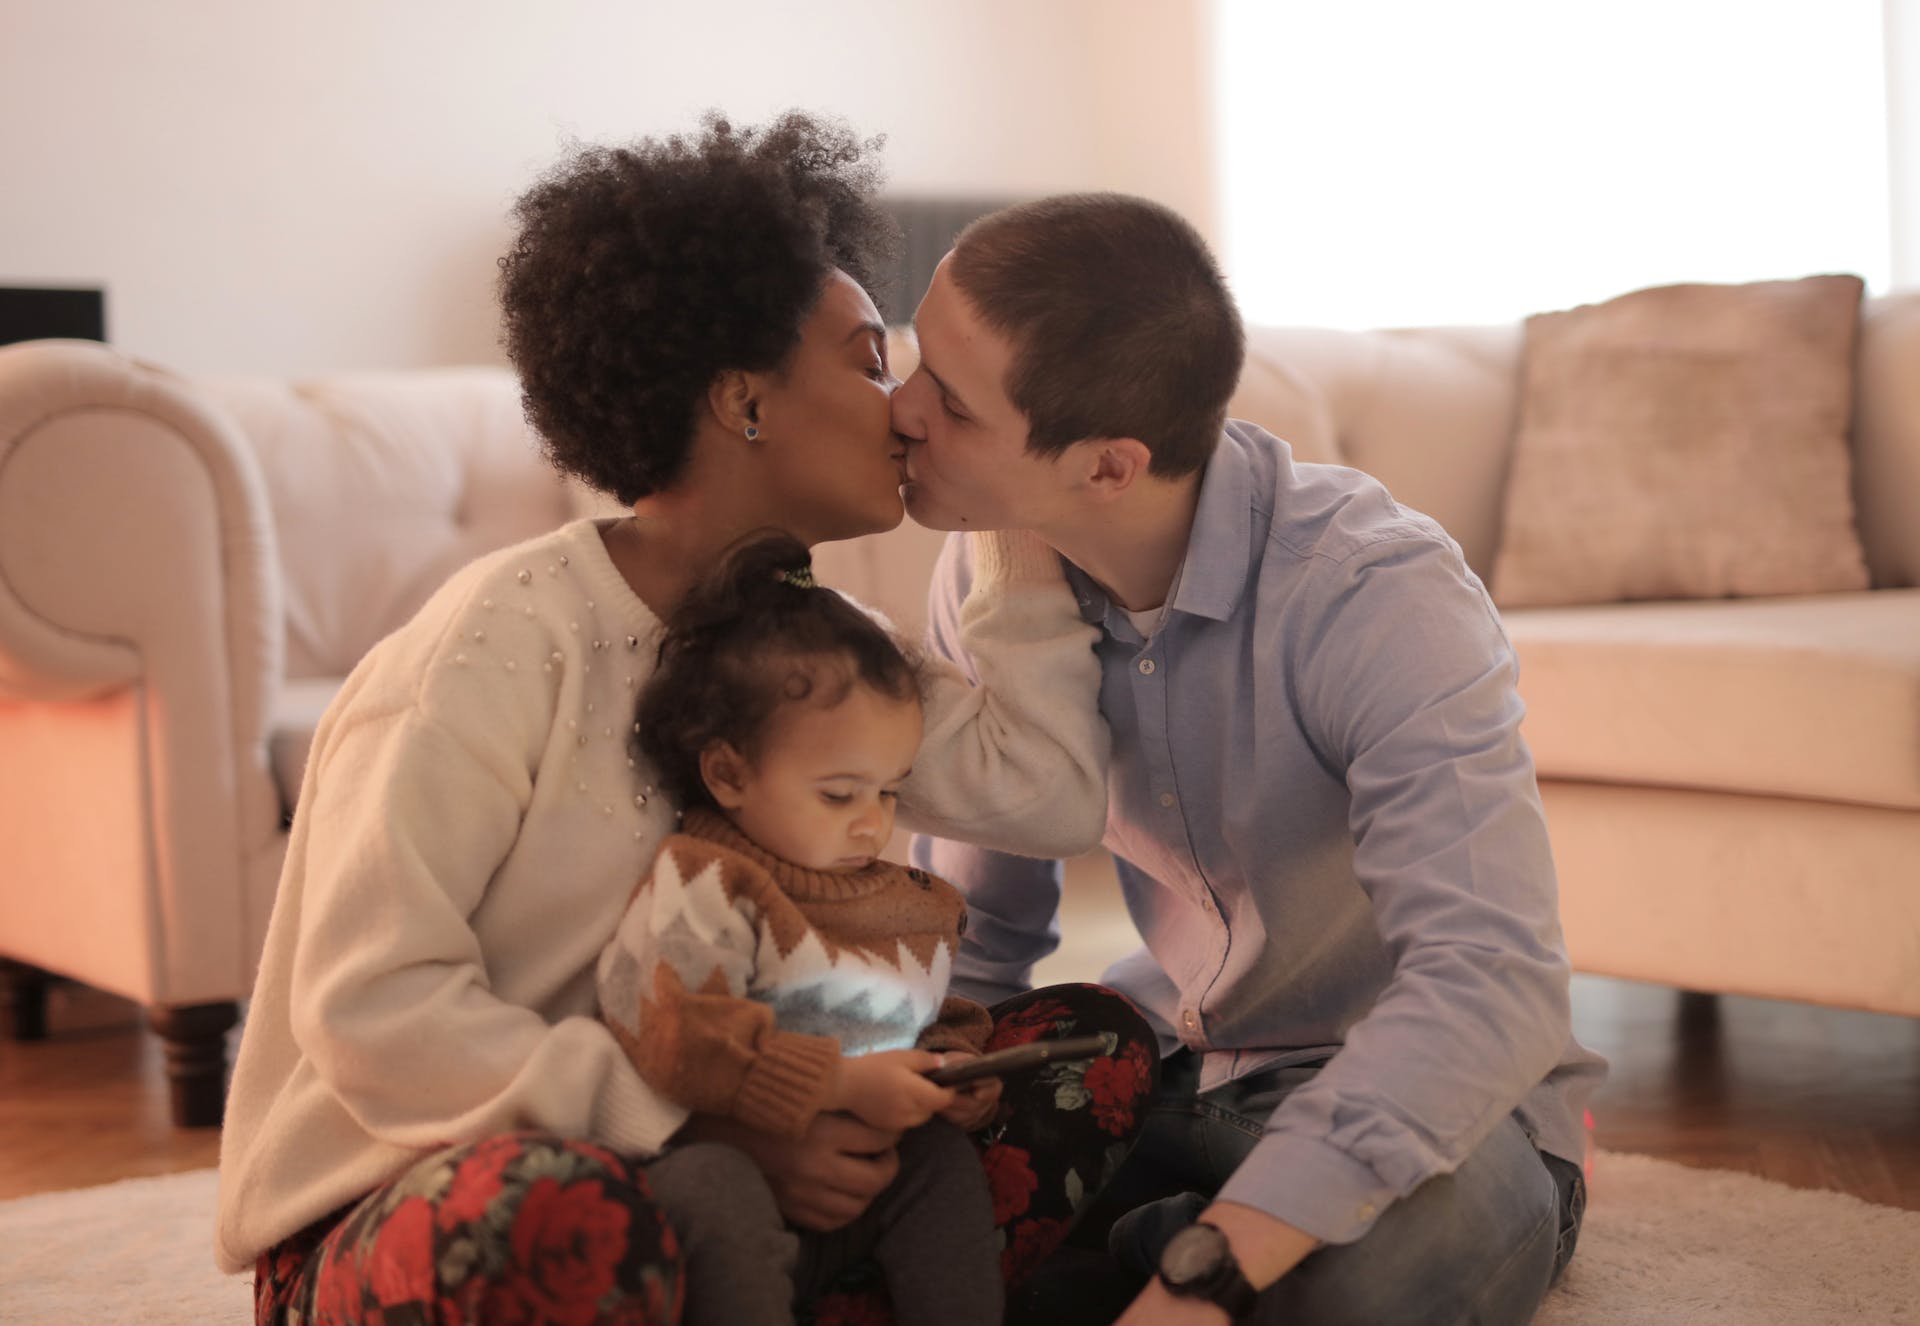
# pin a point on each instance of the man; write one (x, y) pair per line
(1326, 824)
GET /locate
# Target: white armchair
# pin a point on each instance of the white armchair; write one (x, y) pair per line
(187, 570)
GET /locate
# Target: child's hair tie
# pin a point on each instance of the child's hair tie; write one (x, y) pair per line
(800, 577)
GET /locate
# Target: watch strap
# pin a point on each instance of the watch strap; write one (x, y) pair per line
(1226, 1286)
(1230, 1289)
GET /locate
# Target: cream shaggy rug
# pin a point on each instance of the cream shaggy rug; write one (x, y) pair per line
(1663, 1245)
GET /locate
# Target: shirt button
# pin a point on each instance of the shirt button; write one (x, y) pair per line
(1366, 1211)
(1191, 1021)
(1146, 667)
(1166, 799)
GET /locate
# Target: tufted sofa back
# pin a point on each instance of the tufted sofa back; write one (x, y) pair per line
(381, 486)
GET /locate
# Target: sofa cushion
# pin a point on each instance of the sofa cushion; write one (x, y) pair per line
(1806, 697)
(1685, 442)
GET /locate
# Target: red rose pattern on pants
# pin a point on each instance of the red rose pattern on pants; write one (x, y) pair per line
(520, 1228)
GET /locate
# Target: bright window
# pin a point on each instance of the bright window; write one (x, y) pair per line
(1406, 162)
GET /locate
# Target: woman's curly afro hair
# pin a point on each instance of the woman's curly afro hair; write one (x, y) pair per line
(640, 273)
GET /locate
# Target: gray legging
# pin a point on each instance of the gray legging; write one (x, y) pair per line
(931, 1231)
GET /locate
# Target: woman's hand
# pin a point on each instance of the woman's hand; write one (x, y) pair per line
(975, 1102)
(889, 1089)
(822, 1181)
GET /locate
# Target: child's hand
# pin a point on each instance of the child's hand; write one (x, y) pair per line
(974, 1102)
(890, 1090)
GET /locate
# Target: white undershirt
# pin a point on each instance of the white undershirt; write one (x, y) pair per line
(1148, 620)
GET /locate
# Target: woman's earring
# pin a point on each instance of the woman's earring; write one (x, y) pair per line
(752, 432)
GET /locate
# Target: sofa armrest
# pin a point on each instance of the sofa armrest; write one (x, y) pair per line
(137, 554)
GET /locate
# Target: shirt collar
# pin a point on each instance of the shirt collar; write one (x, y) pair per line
(1217, 546)
(1213, 573)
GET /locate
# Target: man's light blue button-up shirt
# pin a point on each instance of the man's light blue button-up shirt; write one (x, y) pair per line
(1328, 833)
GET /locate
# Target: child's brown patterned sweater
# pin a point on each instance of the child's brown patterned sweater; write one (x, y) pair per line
(737, 980)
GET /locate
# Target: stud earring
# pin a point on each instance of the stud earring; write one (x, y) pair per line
(752, 432)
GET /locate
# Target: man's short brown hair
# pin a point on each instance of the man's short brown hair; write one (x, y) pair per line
(1121, 323)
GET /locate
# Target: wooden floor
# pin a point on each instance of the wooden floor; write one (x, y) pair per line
(1817, 1098)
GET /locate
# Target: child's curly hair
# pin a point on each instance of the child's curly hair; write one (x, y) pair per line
(640, 273)
(747, 641)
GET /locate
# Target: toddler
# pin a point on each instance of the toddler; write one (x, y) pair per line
(770, 965)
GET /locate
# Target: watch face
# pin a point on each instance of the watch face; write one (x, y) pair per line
(1192, 1255)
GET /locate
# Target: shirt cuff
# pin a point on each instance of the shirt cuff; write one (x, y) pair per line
(1310, 1185)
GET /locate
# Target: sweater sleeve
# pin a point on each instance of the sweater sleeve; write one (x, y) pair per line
(1017, 761)
(391, 1001)
(673, 986)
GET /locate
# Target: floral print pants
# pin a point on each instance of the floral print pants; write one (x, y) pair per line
(530, 1228)
(517, 1228)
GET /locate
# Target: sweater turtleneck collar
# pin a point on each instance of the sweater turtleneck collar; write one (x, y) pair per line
(797, 882)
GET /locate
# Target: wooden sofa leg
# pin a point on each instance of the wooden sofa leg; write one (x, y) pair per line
(23, 1001)
(1698, 1012)
(196, 1045)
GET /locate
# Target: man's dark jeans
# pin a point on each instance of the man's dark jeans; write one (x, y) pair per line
(1480, 1245)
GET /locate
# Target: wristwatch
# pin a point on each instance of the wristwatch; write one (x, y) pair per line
(1198, 1263)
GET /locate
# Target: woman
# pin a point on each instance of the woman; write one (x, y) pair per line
(426, 1115)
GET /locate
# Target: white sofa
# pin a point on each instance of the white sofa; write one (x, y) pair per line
(189, 566)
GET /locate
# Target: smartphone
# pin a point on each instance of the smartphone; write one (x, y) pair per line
(999, 1063)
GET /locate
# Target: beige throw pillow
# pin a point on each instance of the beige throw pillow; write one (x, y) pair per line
(1685, 442)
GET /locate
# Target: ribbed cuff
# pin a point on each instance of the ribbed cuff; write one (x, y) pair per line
(1006, 556)
(787, 1083)
(632, 1118)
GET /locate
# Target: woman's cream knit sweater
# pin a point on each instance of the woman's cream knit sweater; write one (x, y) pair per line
(472, 822)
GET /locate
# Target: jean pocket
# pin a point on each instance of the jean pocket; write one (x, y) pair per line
(1572, 1185)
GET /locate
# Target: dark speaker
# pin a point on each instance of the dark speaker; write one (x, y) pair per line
(927, 230)
(29, 313)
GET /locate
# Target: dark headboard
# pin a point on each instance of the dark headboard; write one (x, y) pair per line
(929, 226)
(33, 313)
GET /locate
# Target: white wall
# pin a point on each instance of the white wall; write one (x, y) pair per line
(1151, 71)
(301, 186)
(1903, 136)
(1391, 162)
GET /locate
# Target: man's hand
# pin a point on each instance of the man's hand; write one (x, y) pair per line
(824, 1180)
(889, 1089)
(974, 1102)
(1266, 1249)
